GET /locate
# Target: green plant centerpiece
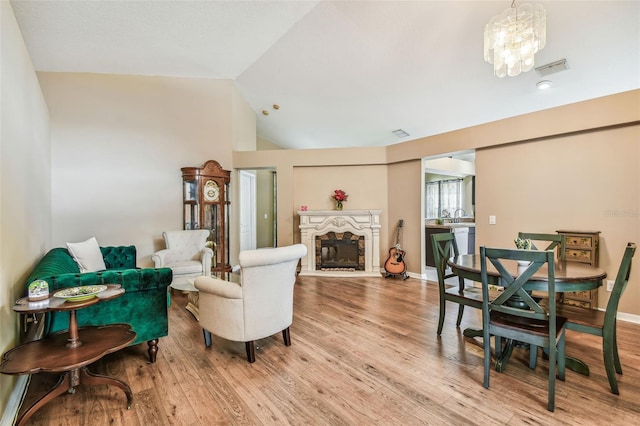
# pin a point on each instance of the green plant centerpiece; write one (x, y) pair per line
(523, 244)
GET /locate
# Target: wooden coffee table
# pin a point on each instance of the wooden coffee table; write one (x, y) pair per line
(68, 352)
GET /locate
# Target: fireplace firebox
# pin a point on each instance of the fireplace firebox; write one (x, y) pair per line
(340, 251)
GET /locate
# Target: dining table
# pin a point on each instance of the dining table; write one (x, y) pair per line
(570, 276)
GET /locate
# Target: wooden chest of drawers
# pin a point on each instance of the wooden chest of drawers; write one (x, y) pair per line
(582, 246)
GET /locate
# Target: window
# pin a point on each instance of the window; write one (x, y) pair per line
(442, 197)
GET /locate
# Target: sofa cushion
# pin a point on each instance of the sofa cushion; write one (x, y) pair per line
(187, 267)
(87, 255)
(119, 257)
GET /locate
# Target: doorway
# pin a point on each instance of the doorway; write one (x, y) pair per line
(456, 169)
(257, 208)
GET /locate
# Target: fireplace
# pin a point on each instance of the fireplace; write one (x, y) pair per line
(340, 251)
(341, 243)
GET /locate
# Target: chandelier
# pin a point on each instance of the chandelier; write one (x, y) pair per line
(513, 37)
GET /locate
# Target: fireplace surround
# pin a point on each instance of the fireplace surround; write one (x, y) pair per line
(351, 247)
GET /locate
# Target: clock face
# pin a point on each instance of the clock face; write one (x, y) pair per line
(211, 191)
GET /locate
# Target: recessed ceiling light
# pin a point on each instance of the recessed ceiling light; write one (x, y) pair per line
(544, 84)
(400, 133)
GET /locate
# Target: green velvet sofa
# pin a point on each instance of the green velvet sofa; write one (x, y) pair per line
(143, 305)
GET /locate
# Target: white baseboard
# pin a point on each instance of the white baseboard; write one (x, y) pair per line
(415, 275)
(15, 399)
(629, 317)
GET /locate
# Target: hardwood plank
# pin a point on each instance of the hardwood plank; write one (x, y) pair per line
(364, 351)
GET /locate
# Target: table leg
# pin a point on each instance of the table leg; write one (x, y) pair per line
(472, 332)
(505, 354)
(68, 382)
(63, 384)
(89, 378)
(193, 304)
(193, 297)
(573, 364)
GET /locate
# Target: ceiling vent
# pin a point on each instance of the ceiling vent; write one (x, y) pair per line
(400, 133)
(552, 68)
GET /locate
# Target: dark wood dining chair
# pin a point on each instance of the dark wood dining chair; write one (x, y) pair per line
(556, 242)
(444, 247)
(515, 315)
(603, 324)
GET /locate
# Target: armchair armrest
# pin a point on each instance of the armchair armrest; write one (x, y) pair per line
(161, 258)
(221, 288)
(206, 254)
(165, 257)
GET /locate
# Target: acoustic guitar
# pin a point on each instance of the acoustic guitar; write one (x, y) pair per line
(395, 265)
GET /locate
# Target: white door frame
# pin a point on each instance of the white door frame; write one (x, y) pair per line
(247, 208)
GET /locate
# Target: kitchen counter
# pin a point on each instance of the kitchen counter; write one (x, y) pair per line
(452, 225)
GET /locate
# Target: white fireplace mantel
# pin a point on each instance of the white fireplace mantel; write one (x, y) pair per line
(358, 222)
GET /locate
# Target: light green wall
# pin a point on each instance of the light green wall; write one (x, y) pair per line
(265, 194)
(265, 206)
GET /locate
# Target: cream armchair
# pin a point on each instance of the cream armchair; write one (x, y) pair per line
(257, 307)
(186, 254)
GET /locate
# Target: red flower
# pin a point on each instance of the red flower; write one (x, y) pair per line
(339, 195)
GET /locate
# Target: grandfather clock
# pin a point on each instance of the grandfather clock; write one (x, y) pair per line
(206, 206)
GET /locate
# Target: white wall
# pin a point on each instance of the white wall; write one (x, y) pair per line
(244, 123)
(25, 181)
(118, 145)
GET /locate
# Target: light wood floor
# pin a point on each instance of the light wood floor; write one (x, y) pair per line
(364, 351)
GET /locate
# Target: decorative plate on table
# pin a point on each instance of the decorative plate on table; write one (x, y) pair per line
(76, 294)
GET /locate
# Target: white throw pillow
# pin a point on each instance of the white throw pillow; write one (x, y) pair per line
(87, 255)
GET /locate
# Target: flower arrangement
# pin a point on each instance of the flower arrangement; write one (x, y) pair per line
(340, 196)
(523, 244)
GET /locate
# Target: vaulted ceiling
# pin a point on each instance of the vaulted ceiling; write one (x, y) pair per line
(344, 73)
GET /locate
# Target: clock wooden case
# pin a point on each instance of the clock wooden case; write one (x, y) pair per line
(206, 206)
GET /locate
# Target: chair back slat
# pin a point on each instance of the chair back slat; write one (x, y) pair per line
(555, 241)
(444, 247)
(514, 287)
